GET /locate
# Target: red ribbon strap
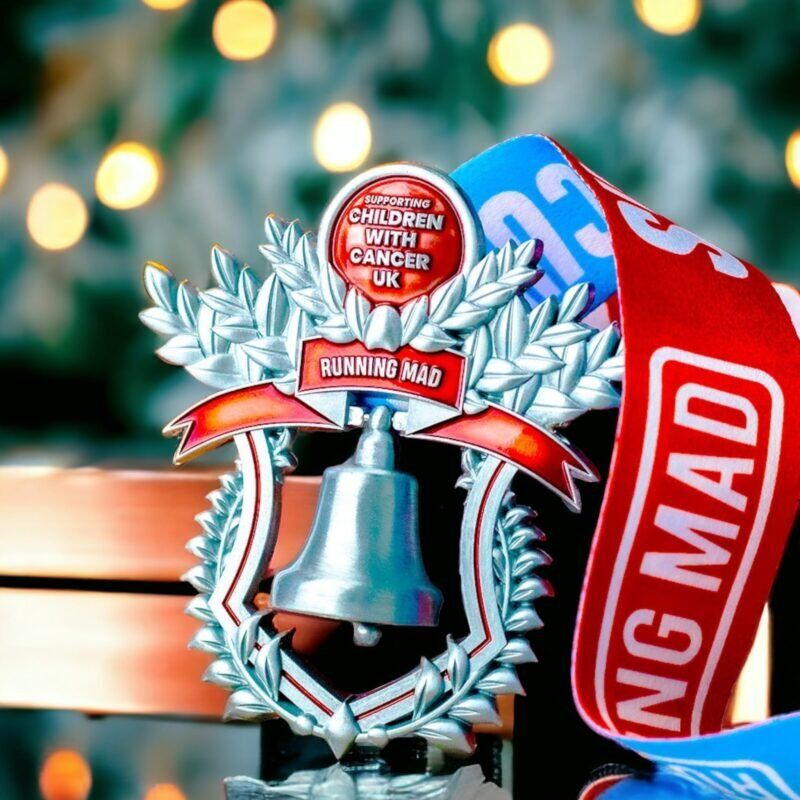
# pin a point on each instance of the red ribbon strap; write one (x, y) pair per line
(704, 481)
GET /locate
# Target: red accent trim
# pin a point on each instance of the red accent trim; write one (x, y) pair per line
(250, 536)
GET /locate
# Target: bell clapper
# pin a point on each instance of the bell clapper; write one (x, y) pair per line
(366, 635)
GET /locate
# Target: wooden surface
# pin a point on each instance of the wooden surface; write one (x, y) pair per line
(112, 652)
(119, 525)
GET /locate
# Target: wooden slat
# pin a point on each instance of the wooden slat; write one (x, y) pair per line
(108, 653)
(120, 525)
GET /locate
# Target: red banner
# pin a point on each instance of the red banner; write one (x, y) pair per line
(220, 417)
(438, 377)
(543, 454)
(704, 481)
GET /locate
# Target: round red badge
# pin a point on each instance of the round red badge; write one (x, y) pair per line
(397, 232)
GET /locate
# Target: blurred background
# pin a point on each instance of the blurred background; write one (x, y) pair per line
(149, 129)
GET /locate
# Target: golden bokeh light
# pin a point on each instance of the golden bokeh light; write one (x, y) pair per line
(57, 216)
(342, 137)
(165, 5)
(128, 176)
(670, 17)
(793, 158)
(165, 791)
(65, 775)
(520, 54)
(244, 29)
(3, 167)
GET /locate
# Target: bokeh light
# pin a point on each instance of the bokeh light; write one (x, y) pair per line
(793, 158)
(57, 216)
(342, 137)
(165, 5)
(128, 176)
(670, 17)
(65, 775)
(244, 29)
(520, 54)
(3, 167)
(165, 791)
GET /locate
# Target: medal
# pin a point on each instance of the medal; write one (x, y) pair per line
(398, 322)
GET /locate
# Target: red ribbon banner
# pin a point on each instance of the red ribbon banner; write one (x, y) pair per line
(543, 454)
(703, 486)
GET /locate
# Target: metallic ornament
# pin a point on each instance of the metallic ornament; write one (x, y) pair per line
(393, 321)
(362, 560)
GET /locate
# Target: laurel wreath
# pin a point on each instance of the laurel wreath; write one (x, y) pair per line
(540, 362)
(443, 713)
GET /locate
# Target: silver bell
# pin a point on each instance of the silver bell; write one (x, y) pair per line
(362, 561)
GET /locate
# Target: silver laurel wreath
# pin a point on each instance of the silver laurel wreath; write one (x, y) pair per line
(442, 714)
(541, 362)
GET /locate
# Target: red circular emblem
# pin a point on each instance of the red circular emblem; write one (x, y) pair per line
(400, 232)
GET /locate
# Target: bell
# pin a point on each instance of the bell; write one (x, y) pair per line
(362, 561)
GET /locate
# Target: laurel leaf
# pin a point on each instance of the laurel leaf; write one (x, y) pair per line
(448, 735)
(478, 345)
(289, 274)
(412, 317)
(445, 299)
(429, 688)
(220, 300)
(200, 577)
(332, 288)
(531, 588)
(244, 705)
(247, 634)
(181, 350)
(198, 608)
(458, 666)
(574, 357)
(273, 229)
(526, 562)
(223, 673)
(269, 352)
(248, 288)
(517, 651)
(383, 329)
(187, 303)
(160, 285)
(356, 311)
(268, 665)
(164, 323)
(225, 268)
(432, 339)
(208, 639)
(575, 302)
(542, 317)
(476, 709)
(485, 271)
(236, 329)
(601, 346)
(310, 301)
(491, 295)
(565, 333)
(511, 329)
(219, 371)
(201, 547)
(522, 536)
(594, 392)
(612, 369)
(467, 316)
(524, 619)
(502, 680)
(501, 375)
